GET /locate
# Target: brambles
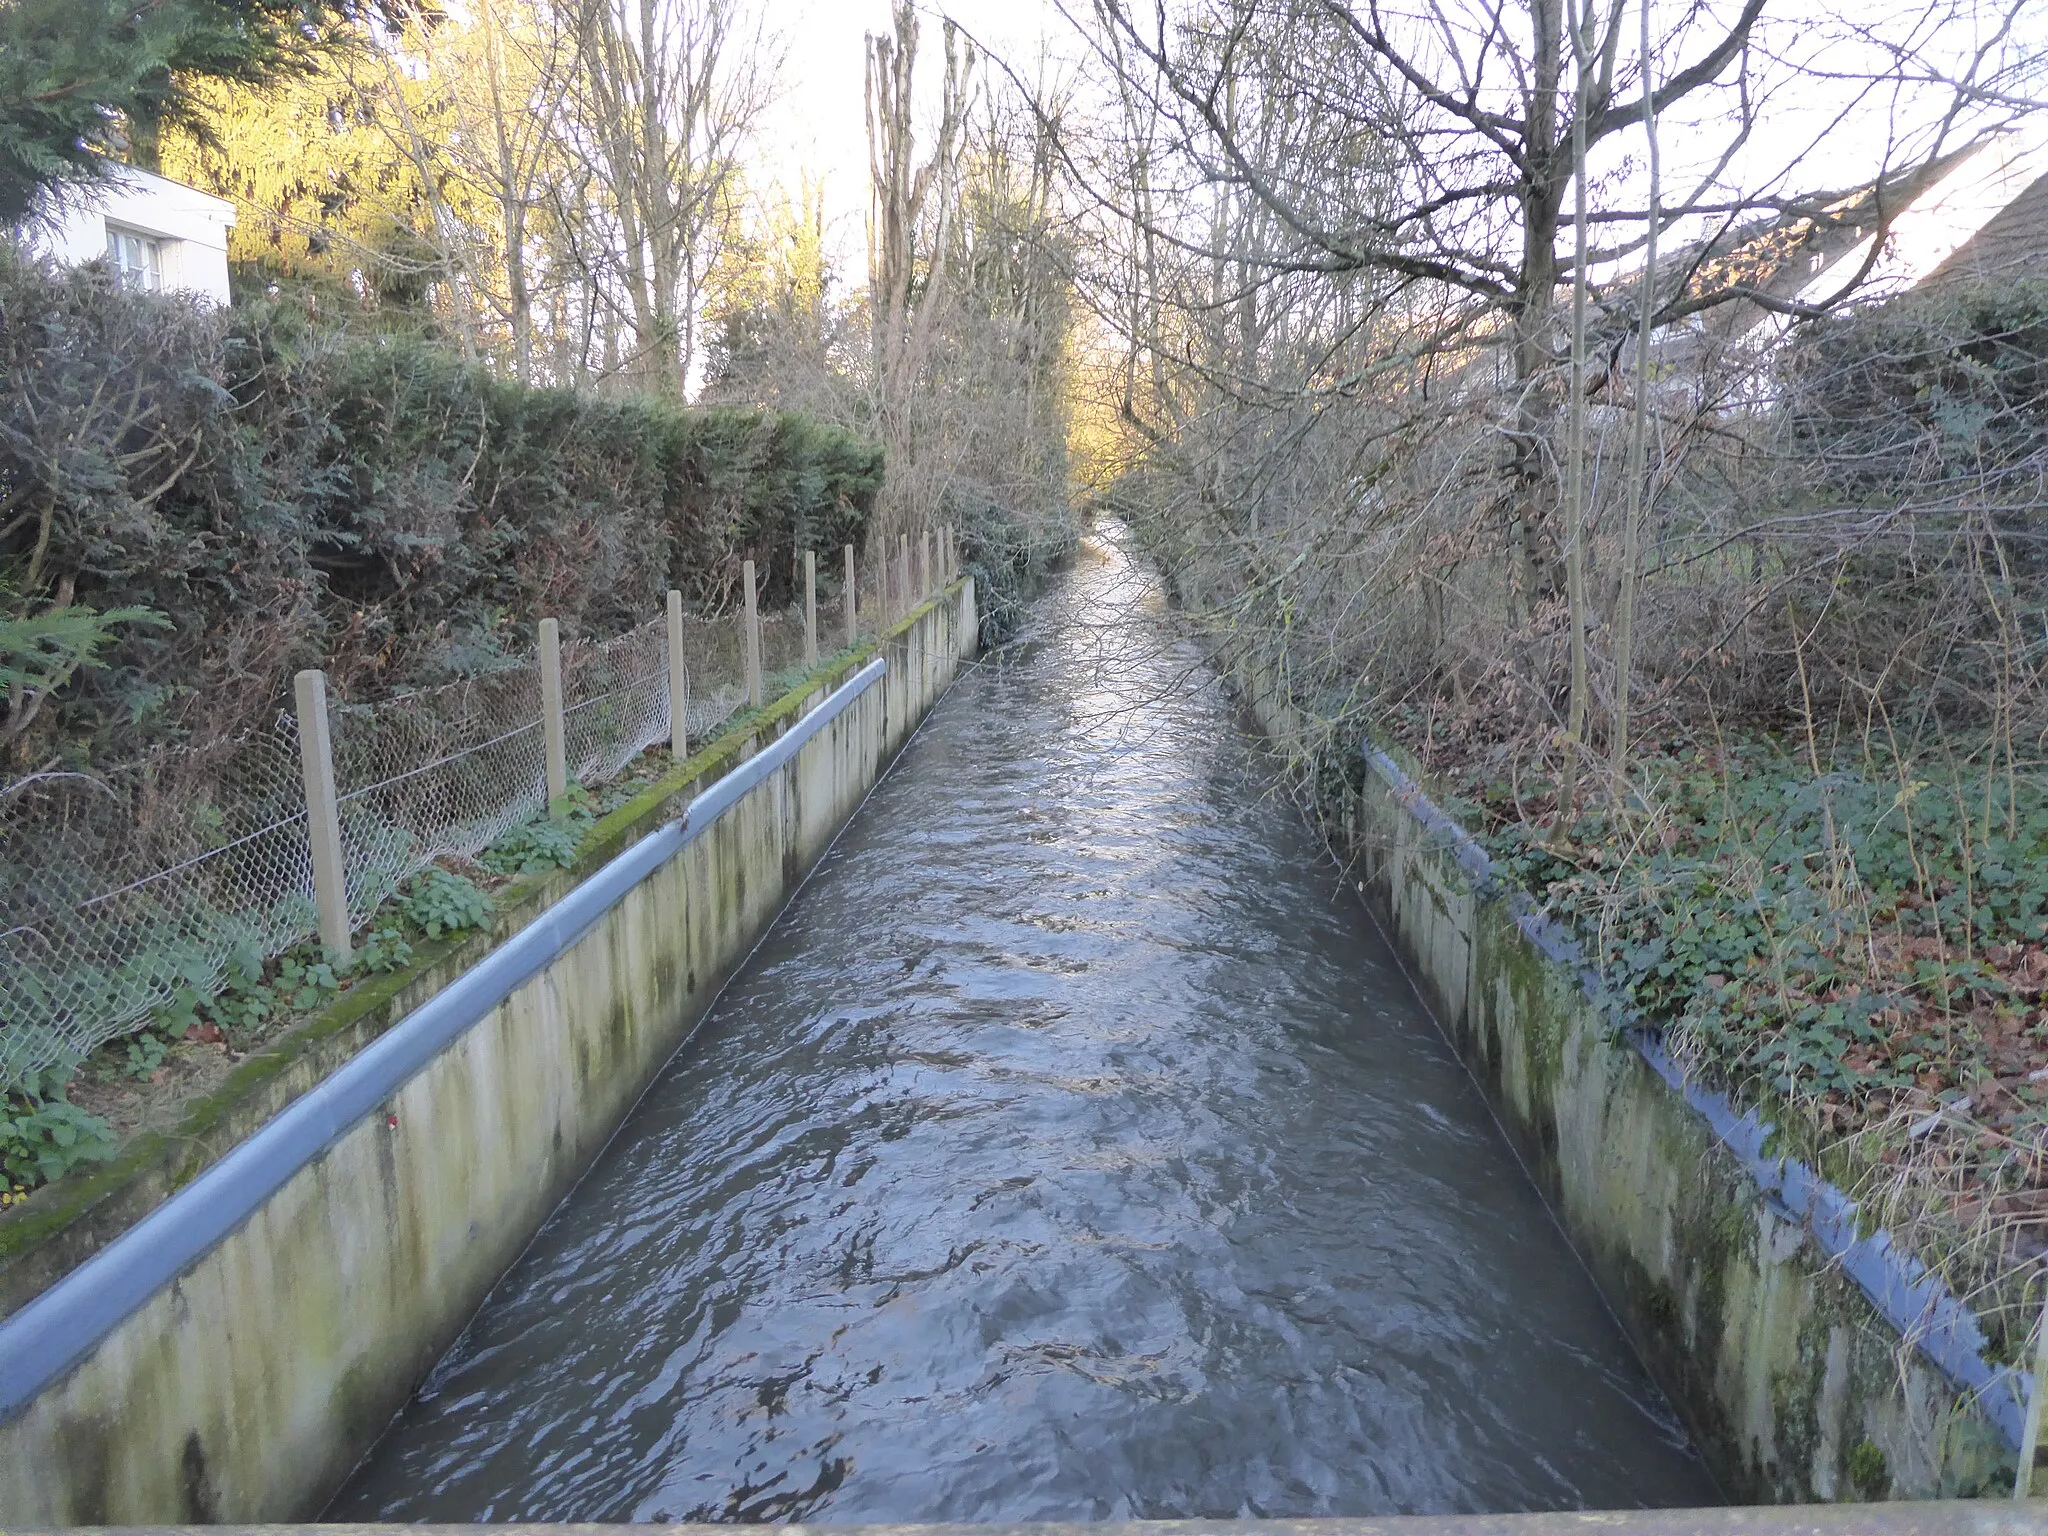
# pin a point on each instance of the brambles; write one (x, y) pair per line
(43, 1135)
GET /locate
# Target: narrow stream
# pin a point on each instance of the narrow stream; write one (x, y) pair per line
(1073, 1148)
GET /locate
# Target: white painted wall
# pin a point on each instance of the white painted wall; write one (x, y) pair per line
(190, 228)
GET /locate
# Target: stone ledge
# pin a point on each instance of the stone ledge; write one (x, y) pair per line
(1943, 1518)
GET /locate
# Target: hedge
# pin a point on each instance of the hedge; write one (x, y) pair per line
(288, 494)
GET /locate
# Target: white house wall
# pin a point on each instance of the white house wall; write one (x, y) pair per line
(191, 225)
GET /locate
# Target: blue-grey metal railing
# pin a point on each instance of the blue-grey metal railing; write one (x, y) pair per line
(65, 1323)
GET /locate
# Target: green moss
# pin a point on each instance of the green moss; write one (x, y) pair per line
(1795, 1391)
(1542, 1023)
(183, 1152)
(1869, 1474)
(1660, 1306)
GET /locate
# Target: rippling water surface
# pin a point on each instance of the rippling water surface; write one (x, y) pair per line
(1072, 1148)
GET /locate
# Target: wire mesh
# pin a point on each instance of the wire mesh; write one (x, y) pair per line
(120, 890)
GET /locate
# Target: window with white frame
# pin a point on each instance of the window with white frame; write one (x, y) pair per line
(137, 259)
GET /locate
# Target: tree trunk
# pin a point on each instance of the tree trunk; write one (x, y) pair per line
(1575, 431)
(1532, 489)
(1638, 443)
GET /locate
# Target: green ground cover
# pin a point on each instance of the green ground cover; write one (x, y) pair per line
(1858, 948)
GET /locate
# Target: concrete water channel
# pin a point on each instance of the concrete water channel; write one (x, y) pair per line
(1072, 1148)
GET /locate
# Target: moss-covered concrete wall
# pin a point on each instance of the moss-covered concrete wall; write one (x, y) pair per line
(1794, 1386)
(248, 1389)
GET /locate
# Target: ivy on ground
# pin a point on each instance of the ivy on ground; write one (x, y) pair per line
(1862, 953)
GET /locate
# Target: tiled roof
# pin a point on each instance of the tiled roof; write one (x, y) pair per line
(2014, 243)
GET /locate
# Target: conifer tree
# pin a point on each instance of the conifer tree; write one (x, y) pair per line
(84, 82)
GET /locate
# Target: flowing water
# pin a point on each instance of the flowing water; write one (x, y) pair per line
(1072, 1148)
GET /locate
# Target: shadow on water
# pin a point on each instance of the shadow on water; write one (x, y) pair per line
(1072, 1149)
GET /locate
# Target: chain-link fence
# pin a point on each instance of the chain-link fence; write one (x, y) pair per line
(121, 889)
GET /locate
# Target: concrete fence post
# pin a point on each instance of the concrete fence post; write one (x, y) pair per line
(753, 641)
(323, 811)
(924, 565)
(678, 681)
(553, 720)
(810, 608)
(903, 574)
(852, 619)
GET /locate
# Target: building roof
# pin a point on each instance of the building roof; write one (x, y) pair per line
(2012, 244)
(1984, 215)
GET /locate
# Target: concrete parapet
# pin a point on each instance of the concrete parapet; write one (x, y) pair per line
(1953, 1517)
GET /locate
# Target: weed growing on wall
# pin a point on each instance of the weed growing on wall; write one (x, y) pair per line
(44, 1136)
(439, 902)
(544, 843)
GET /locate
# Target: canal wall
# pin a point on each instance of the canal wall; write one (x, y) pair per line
(1810, 1359)
(227, 1351)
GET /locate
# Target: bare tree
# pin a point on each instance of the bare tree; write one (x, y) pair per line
(1354, 222)
(477, 108)
(669, 94)
(909, 202)
(1472, 111)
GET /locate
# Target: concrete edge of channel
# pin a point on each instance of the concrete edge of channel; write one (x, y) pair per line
(1905, 1292)
(247, 1386)
(53, 1332)
(1945, 1517)
(1803, 1375)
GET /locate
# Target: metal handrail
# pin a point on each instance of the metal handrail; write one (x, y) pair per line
(65, 1323)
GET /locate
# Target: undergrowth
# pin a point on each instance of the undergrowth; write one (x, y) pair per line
(1861, 952)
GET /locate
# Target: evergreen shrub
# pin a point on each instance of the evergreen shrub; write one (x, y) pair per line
(235, 494)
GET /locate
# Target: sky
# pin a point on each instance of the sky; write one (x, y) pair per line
(818, 126)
